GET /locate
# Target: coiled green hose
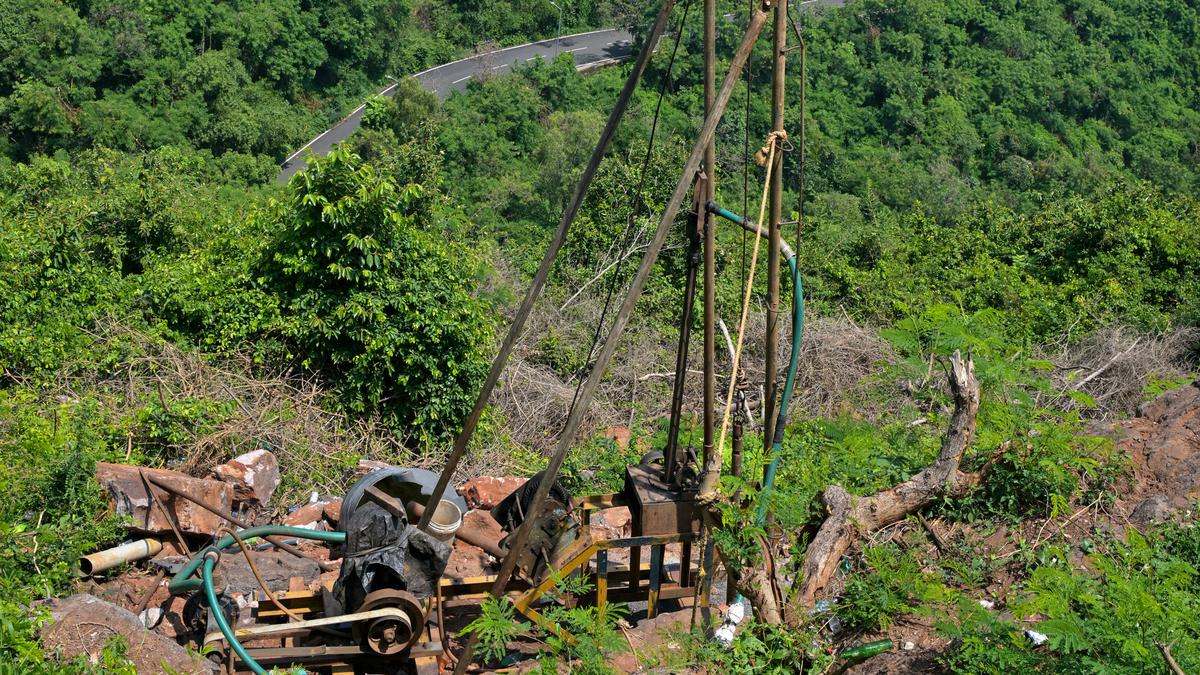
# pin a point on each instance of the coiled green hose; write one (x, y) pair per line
(206, 561)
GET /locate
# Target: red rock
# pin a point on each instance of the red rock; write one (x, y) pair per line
(333, 511)
(467, 561)
(486, 492)
(1163, 443)
(309, 516)
(625, 663)
(278, 569)
(127, 494)
(611, 523)
(254, 476)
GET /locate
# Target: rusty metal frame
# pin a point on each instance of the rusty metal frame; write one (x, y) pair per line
(581, 554)
(642, 582)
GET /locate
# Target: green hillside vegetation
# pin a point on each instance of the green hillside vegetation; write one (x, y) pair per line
(1018, 181)
(251, 78)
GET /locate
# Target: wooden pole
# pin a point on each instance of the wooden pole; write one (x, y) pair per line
(543, 273)
(520, 538)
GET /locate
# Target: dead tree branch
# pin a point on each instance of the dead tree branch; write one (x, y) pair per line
(849, 517)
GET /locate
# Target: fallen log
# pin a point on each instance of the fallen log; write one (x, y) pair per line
(850, 517)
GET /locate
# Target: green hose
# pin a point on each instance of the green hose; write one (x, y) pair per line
(184, 582)
(206, 560)
(789, 384)
(214, 608)
(793, 363)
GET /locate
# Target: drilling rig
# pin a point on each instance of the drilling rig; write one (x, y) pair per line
(386, 610)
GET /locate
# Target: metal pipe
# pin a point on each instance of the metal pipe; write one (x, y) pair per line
(325, 566)
(671, 456)
(785, 249)
(521, 536)
(543, 273)
(111, 557)
(710, 86)
(793, 360)
(776, 215)
(709, 226)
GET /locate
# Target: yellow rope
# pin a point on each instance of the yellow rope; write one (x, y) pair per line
(769, 151)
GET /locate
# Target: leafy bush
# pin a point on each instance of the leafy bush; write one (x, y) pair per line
(775, 650)
(892, 585)
(1137, 596)
(593, 631)
(1109, 616)
(374, 296)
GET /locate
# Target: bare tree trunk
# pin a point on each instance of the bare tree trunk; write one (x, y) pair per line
(848, 517)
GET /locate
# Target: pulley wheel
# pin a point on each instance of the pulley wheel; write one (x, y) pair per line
(390, 635)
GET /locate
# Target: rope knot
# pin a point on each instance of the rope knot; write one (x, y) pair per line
(775, 139)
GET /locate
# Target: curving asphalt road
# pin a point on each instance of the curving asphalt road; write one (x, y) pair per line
(590, 49)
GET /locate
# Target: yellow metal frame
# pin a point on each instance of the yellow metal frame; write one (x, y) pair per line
(583, 549)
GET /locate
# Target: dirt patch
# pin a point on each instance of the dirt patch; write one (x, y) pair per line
(1163, 444)
(84, 624)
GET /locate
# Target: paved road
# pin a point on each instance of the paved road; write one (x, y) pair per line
(590, 49)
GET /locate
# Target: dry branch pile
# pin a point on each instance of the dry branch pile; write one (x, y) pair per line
(281, 413)
(1114, 364)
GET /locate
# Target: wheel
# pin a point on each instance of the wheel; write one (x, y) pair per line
(390, 635)
(652, 457)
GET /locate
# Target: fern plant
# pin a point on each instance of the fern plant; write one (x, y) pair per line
(496, 628)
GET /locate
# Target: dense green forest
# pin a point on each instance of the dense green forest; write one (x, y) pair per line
(250, 78)
(1018, 181)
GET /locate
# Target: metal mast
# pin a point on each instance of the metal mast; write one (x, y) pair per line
(567, 438)
(710, 238)
(774, 218)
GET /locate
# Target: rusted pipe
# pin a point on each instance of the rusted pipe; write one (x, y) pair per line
(672, 457)
(464, 534)
(111, 557)
(709, 226)
(325, 566)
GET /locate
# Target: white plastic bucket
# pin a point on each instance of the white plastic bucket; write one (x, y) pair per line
(446, 520)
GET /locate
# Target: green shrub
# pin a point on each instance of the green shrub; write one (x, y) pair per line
(892, 584)
(984, 643)
(760, 648)
(374, 297)
(1138, 595)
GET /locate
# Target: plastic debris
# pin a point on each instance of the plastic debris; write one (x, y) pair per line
(866, 650)
(734, 616)
(1036, 638)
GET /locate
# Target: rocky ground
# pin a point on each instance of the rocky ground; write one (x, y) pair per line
(1162, 443)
